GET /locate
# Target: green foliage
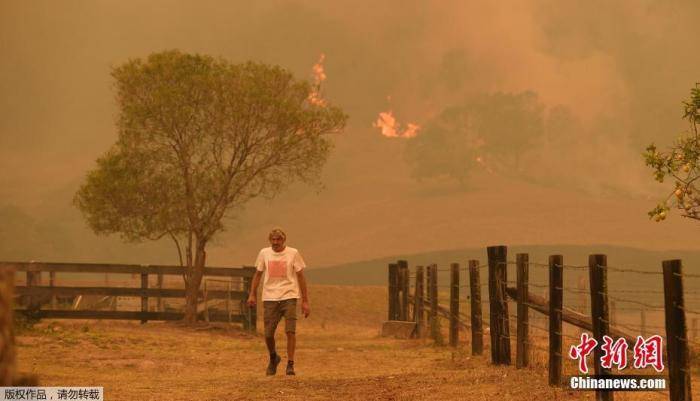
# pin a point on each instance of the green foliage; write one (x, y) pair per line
(681, 162)
(486, 130)
(445, 146)
(198, 138)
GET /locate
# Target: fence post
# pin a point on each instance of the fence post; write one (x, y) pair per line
(159, 284)
(418, 302)
(228, 300)
(676, 331)
(33, 279)
(556, 294)
(7, 339)
(498, 280)
(52, 283)
(250, 314)
(428, 280)
(432, 289)
(475, 290)
(598, 283)
(393, 291)
(245, 309)
(144, 297)
(522, 348)
(403, 285)
(206, 302)
(399, 293)
(454, 304)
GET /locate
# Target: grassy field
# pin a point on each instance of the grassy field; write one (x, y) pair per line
(340, 356)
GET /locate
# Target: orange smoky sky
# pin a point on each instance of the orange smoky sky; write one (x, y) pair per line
(619, 68)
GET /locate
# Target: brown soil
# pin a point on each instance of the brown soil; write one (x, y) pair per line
(340, 356)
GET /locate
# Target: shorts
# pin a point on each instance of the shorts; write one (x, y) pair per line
(273, 312)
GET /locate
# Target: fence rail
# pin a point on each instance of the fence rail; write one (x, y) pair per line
(35, 295)
(123, 269)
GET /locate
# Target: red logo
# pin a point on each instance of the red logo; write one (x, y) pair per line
(582, 350)
(277, 268)
(647, 352)
(615, 353)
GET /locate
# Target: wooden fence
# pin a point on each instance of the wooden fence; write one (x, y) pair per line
(7, 338)
(501, 289)
(36, 297)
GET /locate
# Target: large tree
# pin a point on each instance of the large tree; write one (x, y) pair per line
(197, 138)
(681, 163)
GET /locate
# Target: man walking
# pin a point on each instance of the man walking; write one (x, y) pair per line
(282, 270)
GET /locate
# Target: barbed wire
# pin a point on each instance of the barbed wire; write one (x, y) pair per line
(536, 264)
(575, 267)
(618, 308)
(686, 310)
(639, 291)
(626, 326)
(576, 290)
(466, 268)
(628, 270)
(618, 299)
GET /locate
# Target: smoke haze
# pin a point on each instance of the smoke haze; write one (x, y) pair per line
(610, 76)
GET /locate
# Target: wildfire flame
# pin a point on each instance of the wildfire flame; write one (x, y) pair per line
(391, 129)
(319, 75)
(318, 71)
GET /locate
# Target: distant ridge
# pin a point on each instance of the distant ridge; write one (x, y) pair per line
(374, 272)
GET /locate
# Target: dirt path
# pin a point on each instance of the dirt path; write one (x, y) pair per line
(160, 361)
(340, 356)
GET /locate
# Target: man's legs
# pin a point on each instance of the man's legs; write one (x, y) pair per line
(290, 323)
(272, 316)
(291, 344)
(270, 342)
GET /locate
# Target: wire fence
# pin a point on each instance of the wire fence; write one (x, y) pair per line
(631, 311)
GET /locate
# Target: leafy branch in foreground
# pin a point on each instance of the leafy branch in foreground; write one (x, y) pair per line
(680, 163)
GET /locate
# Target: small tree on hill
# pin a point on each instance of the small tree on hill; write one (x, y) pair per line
(492, 130)
(681, 163)
(198, 137)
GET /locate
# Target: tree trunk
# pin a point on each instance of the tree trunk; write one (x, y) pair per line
(192, 284)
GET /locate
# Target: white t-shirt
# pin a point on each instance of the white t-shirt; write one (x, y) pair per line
(280, 278)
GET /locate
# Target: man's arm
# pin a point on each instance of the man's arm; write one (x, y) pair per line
(305, 308)
(252, 297)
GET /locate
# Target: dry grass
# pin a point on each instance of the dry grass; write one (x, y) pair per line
(340, 356)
